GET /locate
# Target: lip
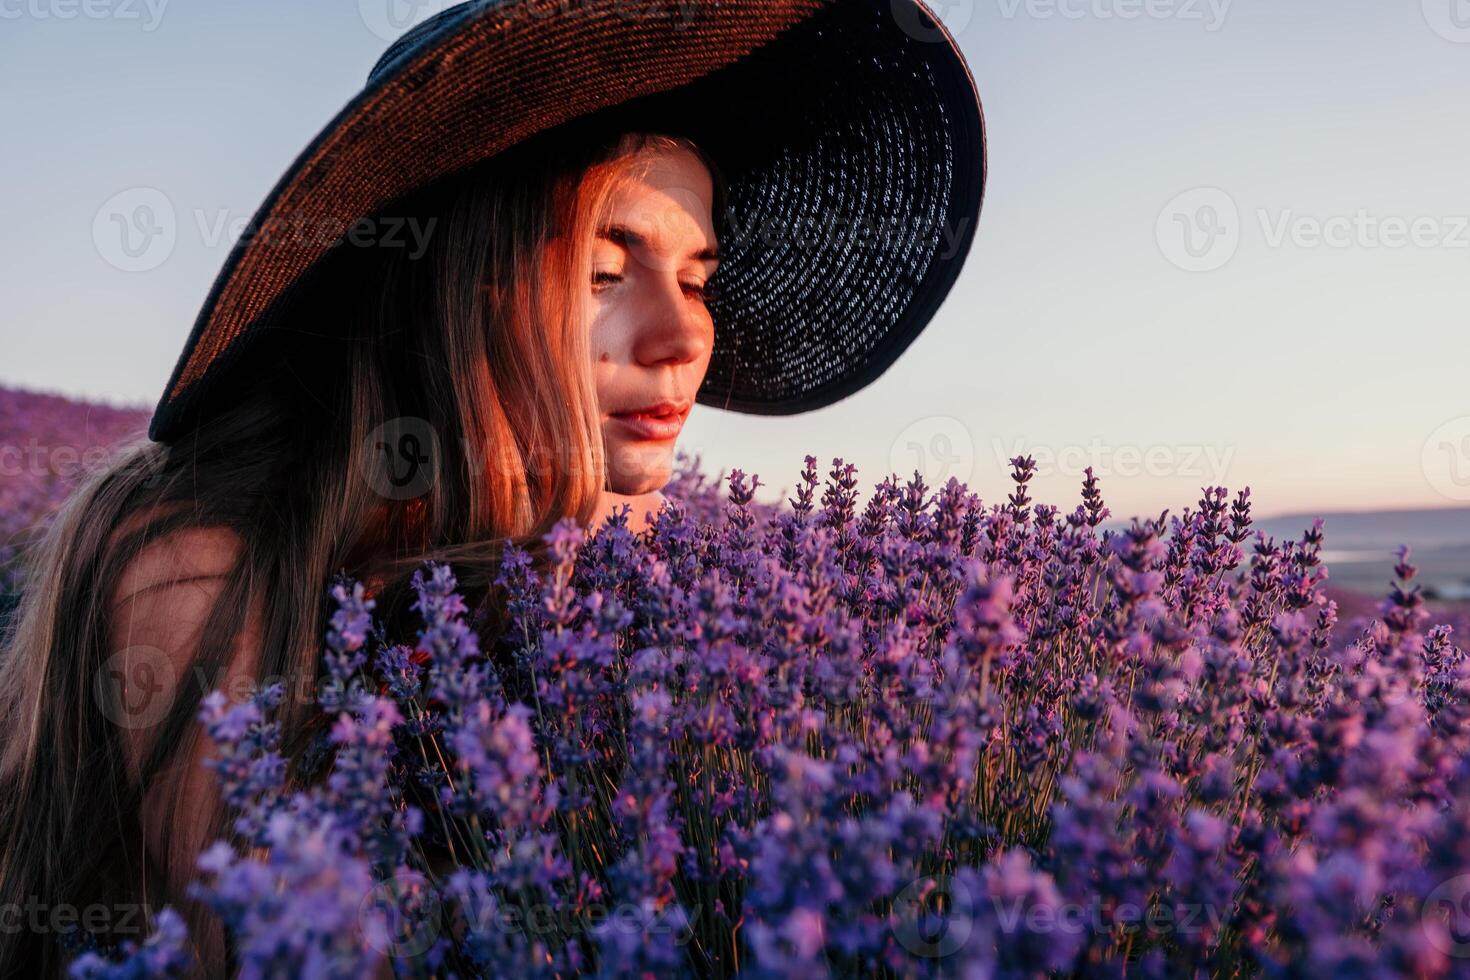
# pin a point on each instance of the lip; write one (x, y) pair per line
(659, 421)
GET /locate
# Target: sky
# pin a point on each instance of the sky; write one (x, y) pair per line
(1223, 241)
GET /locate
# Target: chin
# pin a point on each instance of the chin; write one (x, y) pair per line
(635, 469)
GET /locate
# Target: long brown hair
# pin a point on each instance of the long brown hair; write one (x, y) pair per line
(475, 345)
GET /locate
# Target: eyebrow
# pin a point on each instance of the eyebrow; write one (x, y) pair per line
(623, 235)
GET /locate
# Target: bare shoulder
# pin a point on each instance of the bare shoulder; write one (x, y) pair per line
(159, 607)
(189, 558)
(165, 594)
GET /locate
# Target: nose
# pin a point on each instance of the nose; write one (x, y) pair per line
(672, 328)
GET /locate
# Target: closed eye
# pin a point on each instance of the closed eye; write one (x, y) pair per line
(705, 291)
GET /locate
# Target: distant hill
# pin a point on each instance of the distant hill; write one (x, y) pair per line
(1381, 530)
(1360, 547)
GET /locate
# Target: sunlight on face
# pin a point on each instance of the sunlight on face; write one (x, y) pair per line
(651, 334)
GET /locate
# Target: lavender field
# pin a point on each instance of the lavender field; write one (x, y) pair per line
(48, 444)
(920, 734)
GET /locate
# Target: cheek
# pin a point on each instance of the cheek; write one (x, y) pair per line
(600, 345)
(603, 353)
(709, 348)
(604, 332)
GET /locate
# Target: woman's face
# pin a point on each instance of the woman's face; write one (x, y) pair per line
(651, 333)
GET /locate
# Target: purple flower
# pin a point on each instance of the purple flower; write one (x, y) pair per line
(917, 735)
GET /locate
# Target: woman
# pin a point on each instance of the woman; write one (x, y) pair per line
(361, 407)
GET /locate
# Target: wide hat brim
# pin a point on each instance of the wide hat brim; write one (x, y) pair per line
(850, 132)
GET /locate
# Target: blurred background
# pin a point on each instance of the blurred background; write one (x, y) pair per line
(1224, 242)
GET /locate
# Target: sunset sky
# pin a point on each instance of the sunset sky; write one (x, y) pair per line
(1223, 242)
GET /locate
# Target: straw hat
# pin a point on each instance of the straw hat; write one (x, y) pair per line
(850, 132)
